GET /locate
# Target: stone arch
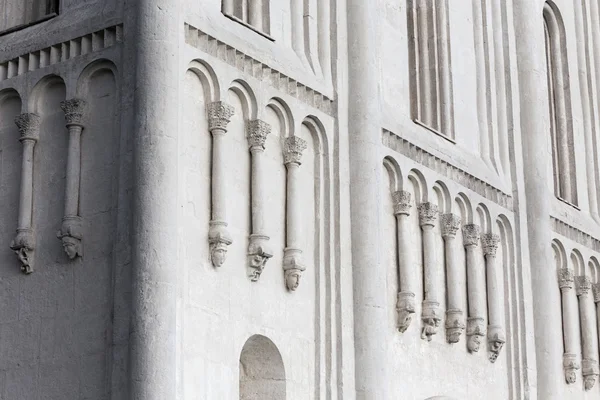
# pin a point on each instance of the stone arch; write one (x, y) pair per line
(594, 267)
(394, 173)
(465, 207)
(247, 98)
(485, 219)
(286, 119)
(443, 195)
(420, 183)
(578, 264)
(262, 373)
(560, 254)
(208, 77)
(41, 87)
(319, 134)
(90, 71)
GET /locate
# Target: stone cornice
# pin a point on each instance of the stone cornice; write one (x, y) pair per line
(575, 234)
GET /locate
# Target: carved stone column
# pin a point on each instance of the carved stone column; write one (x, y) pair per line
(455, 324)
(292, 254)
(219, 115)
(496, 334)
(24, 243)
(569, 312)
(258, 250)
(589, 363)
(431, 314)
(476, 292)
(71, 233)
(405, 304)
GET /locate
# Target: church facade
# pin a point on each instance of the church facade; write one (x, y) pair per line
(299, 199)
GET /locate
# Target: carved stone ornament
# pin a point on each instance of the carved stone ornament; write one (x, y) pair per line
(405, 306)
(218, 241)
(427, 214)
(496, 339)
(74, 110)
(23, 245)
(582, 285)
(293, 147)
(475, 333)
(471, 234)
(401, 201)
(589, 369)
(71, 235)
(258, 255)
(570, 366)
(565, 278)
(292, 267)
(596, 292)
(454, 325)
(490, 242)
(449, 224)
(430, 318)
(257, 132)
(219, 115)
(29, 126)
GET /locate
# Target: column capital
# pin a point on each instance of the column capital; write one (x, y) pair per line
(582, 285)
(293, 147)
(219, 115)
(427, 213)
(471, 235)
(565, 278)
(29, 126)
(401, 202)
(449, 224)
(74, 110)
(257, 132)
(490, 242)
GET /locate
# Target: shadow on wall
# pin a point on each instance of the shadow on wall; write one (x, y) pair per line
(262, 374)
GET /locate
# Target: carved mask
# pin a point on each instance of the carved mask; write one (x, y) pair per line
(570, 376)
(218, 256)
(71, 246)
(292, 279)
(474, 342)
(589, 381)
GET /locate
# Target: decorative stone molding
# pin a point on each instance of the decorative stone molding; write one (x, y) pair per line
(258, 250)
(496, 340)
(589, 369)
(292, 255)
(401, 200)
(219, 115)
(431, 319)
(565, 278)
(582, 285)
(405, 306)
(471, 235)
(24, 243)
(475, 333)
(427, 213)
(575, 234)
(71, 233)
(570, 366)
(450, 223)
(454, 325)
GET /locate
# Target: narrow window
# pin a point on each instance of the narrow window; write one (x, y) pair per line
(429, 54)
(559, 102)
(254, 13)
(16, 14)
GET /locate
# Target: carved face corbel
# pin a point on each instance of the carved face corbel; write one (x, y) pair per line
(475, 334)
(292, 278)
(23, 245)
(292, 267)
(70, 234)
(258, 255)
(590, 373)
(570, 366)
(454, 325)
(430, 318)
(405, 306)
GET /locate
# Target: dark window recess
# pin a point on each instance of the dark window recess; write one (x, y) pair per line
(18, 14)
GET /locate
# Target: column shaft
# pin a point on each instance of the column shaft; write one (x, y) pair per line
(454, 315)
(431, 316)
(26, 194)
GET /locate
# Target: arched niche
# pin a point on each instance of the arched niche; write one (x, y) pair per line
(262, 374)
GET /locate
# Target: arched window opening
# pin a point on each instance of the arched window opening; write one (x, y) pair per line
(559, 102)
(18, 14)
(254, 13)
(262, 374)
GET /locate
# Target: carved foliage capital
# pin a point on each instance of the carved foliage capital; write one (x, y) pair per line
(449, 224)
(582, 285)
(29, 126)
(401, 202)
(490, 242)
(471, 234)
(219, 115)
(427, 213)
(257, 132)
(293, 147)
(74, 110)
(565, 278)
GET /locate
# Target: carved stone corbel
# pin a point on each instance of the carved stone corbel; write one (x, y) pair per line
(570, 329)
(496, 335)
(292, 254)
(589, 363)
(450, 223)
(476, 295)
(24, 243)
(219, 239)
(71, 233)
(405, 304)
(430, 315)
(258, 250)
